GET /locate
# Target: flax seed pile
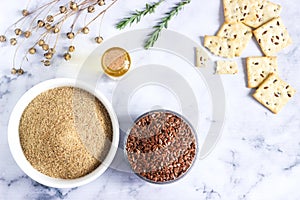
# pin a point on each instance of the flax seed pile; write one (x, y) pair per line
(65, 132)
(161, 147)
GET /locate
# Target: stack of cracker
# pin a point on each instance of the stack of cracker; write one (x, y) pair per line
(244, 18)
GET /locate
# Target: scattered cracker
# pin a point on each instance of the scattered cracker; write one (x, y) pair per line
(272, 37)
(274, 93)
(233, 11)
(202, 58)
(237, 31)
(223, 47)
(227, 67)
(253, 13)
(262, 12)
(234, 30)
(259, 68)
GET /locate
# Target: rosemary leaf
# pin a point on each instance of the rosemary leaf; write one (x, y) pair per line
(137, 15)
(164, 23)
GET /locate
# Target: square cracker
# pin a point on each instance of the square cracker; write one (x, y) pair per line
(253, 13)
(274, 93)
(261, 12)
(227, 67)
(272, 37)
(233, 10)
(259, 68)
(223, 47)
(237, 31)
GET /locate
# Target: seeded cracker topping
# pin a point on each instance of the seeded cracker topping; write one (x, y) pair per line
(272, 37)
(259, 68)
(227, 67)
(274, 93)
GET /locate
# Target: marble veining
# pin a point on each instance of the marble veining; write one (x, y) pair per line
(257, 158)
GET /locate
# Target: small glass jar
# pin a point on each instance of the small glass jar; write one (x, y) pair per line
(115, 62)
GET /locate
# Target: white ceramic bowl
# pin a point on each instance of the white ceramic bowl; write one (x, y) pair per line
(16, 149)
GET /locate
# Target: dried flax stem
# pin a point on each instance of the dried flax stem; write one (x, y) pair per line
(25, 56)
(55, 24)
(102, 12)
(22, 18)
(58, 34)
(41, 11)
(75, 20)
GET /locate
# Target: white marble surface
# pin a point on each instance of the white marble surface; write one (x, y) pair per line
(258, 156)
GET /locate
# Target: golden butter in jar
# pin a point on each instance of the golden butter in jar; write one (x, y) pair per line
(115, 61)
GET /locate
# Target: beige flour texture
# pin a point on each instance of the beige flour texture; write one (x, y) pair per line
(65, 132)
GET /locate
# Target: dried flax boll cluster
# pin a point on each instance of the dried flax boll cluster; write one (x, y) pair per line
(46, 22)
(161, 147)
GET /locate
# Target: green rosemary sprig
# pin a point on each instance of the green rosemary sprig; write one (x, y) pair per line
(137, 15)
(164, 23)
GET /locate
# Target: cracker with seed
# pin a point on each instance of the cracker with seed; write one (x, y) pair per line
(261, 12)
(226, 67)
(253, 13)
(202, 59)
(237, 31)
(274, 93)
(235, 10)
(223, 47)
(272, 37)
(259, 68)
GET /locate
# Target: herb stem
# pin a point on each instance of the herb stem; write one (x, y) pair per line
(137, 15)
(163, 23)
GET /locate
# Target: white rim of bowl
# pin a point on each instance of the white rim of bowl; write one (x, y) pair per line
(15, 145)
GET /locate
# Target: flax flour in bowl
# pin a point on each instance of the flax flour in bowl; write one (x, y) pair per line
(57, 132)
(66, 136)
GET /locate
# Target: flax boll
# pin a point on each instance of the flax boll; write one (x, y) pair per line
(13, 71)
(98, 39)
(13, 41)
(47, 63)
(18, 31)
(27, 34)
(71, 48)
(48, 55)
(32, 50)
(50, 18)
(48, 26)
(91, 9)
(62, 9)
(20, 71)
(2, 38)
(25, 12)
(41, 42)
(51, 50)
(40, 23)
(85, 30)
(70, 35)
(67, 56)
(55, 29)
(73, 6)
(45, 47)
(101, 2)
